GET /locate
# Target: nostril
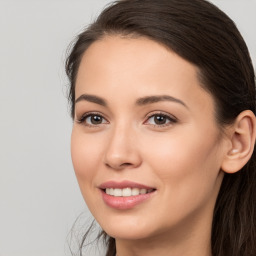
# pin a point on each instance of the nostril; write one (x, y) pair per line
(126, 164)
(118, 166)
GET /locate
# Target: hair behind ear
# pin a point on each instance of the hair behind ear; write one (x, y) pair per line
(233, 227)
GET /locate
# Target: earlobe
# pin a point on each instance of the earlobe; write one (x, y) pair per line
(242, 138)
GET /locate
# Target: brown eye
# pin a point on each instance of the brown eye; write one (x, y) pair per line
(160, 119)
(91, 119)
(94, 119)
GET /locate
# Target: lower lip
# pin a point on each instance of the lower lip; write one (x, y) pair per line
(124, 203)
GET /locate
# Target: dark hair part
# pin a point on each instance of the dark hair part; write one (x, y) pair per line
(203, 35)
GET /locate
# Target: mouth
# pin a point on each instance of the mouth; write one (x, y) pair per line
(127, 192)
(125, 195)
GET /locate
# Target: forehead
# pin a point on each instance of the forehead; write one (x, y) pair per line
(138, 67)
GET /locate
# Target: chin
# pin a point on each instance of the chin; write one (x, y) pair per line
(128, 227)
(128, 234)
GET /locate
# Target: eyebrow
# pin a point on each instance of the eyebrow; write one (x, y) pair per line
(92, 98)
(154, 99)
(140, 102)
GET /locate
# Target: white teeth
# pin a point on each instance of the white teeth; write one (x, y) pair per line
(111, 191)
(143, 191)
(135, 191)
(126, 192)
(118, 192)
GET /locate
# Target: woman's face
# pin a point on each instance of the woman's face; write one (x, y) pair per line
(143, 124)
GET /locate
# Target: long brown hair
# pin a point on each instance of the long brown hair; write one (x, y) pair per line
(203, 35)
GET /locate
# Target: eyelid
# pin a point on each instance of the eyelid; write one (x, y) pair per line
(172, 118)
(81, 119)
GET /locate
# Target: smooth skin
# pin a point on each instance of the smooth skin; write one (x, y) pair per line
(172, 144)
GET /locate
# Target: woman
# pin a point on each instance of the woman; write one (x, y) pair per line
(162, 95)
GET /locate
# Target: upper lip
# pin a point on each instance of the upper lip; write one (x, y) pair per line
(123, 184)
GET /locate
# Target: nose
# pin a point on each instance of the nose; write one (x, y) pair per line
(122, 150)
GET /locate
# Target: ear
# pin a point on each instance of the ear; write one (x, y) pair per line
(242, 135)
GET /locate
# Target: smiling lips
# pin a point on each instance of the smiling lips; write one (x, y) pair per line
(125, 192)
(125, 195)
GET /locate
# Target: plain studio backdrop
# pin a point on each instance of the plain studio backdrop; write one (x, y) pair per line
(39, 195)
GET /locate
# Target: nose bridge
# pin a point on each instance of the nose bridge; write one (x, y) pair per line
(121, 150)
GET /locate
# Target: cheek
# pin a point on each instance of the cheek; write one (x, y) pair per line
(186, 166)
(188, 176)
(179, 153)
(86, 157)
(85, 153)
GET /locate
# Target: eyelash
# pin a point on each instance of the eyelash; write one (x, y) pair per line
(82, 119)
(171, 119)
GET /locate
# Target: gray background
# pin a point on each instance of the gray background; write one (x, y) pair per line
(39, 196)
